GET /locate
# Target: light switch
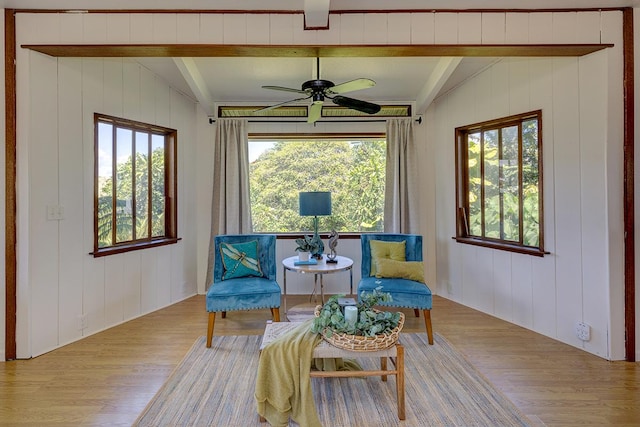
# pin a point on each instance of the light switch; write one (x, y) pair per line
(51, 213)
(55, 212)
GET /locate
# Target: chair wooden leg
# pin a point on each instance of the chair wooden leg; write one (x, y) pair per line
(400, 381)
(416, 312)
(275, 313)
(224, 314)
(212, 320)
(383, 367)
(427, 322)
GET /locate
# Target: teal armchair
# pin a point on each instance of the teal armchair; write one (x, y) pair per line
(244, 276)
(406, 292)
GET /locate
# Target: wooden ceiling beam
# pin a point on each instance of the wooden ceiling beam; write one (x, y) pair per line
(215, 50)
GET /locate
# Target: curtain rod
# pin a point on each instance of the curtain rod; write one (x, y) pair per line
(418, 120)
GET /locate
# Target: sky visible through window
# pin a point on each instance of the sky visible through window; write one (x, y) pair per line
(256, 148)
(105, 159)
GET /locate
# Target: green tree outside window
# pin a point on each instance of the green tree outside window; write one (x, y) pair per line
(135, 184)
(499, 193)
(353, 170)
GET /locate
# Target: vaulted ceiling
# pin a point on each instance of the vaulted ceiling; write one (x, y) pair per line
(218, 80)
(240, 80)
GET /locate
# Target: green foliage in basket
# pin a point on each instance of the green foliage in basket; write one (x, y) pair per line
(369, 323)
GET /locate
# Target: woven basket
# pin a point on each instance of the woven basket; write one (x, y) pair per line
(359, 342)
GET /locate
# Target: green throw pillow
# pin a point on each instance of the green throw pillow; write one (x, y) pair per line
(411, 270)
(384, 249)
(240, 260)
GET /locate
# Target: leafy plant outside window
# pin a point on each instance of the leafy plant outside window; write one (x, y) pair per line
(352, 169)
(499, 183)
(135, 186)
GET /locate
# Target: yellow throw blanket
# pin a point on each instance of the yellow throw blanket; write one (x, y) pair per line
(283, 385)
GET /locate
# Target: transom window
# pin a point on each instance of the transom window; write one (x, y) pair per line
(499, 183)
(135, 185)
(351, 167)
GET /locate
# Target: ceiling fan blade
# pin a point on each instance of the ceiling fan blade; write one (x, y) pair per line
(286, 89)
(271, 107)
(356, 104)
(315, 111)
(352, 85)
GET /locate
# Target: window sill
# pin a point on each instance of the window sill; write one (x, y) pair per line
(112, 250)
(323, 235)
(527, 250)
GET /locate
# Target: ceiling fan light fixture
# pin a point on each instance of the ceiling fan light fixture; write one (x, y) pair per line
(317, 85)
(318, 89)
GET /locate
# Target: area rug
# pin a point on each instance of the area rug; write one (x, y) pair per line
(215, 387)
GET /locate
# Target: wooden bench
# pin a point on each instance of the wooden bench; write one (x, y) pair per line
(325, 350)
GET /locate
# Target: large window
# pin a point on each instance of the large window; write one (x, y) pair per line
(351, 167)
(135, 185)
(499, 183)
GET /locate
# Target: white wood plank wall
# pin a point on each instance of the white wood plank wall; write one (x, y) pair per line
(574, 282)
(581, 101)
(64, 281)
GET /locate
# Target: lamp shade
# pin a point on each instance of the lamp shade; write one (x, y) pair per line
(315, 203)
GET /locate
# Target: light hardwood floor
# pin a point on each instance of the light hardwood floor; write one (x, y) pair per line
(108, 378)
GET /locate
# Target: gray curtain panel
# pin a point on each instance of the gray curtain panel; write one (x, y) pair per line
(231, 205)
(401, 189)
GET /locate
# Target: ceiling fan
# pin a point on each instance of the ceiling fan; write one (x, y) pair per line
(318, 90)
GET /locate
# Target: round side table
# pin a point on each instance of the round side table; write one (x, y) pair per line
(318, 270)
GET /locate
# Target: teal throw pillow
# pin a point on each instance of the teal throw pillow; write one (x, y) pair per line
(240, 260)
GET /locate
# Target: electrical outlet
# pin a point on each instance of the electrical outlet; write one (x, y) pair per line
(583, 331)
(82, 322)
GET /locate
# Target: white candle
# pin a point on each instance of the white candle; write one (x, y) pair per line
(351, 314)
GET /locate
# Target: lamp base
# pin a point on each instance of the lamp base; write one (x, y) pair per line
(317, 241)
(332, 261)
